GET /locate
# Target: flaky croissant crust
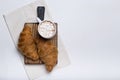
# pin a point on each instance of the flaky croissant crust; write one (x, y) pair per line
(26, 43)
(48, 53)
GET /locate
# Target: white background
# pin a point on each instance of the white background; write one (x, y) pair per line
(90, 30)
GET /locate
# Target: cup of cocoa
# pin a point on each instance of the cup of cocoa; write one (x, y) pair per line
(47, 29)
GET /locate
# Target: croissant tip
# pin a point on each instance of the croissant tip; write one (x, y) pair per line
(49, 68)
(35, 58)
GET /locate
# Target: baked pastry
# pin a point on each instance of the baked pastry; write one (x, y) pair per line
(26, 43)
(48, 53)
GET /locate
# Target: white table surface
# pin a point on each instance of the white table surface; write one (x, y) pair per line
(90, 30)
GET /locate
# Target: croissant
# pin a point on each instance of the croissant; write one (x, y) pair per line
(48, 54)
(26, 43)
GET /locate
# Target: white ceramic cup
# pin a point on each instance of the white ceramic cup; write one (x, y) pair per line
(47, 29)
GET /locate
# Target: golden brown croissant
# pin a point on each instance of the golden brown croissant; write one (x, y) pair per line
(48, 53)
(26, 43)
